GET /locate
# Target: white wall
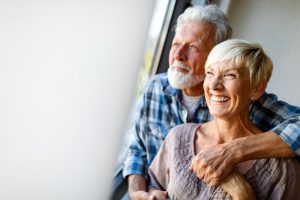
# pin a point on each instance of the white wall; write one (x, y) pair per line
(275, 25)
(67, 73)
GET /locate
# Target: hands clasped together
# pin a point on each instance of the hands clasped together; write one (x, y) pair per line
(151, 195)
(215, 166)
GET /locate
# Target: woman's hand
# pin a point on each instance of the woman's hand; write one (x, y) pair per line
(151, 195)
(158, 194)
(139, 195)
(238, 187)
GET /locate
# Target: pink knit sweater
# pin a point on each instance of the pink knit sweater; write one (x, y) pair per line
(270, 178)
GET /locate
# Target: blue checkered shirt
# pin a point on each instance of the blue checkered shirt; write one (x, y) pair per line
(161, 109)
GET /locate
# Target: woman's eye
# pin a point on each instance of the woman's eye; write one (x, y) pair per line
(230, 76)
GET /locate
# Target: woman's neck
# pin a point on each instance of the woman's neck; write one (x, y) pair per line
(227, 130)
(221, 130)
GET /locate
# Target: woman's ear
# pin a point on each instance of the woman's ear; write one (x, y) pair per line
(259, 90)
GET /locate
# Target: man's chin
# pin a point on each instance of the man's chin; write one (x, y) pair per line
(181, 81)
(182, 86)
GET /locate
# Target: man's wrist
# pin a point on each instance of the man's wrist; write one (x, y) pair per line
(238, 145)
(136, 183)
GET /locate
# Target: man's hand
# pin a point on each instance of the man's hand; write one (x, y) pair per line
(137, 187)
(213, 164)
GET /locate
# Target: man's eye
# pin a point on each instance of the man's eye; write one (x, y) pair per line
(194, 47)
(209, 73)
(175, 44)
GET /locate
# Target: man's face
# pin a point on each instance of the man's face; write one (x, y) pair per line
(190, 47)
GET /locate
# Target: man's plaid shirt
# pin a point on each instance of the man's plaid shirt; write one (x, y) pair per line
(160, 110)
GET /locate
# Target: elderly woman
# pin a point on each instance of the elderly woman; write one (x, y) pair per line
(237, 73)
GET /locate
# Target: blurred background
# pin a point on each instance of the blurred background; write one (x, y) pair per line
(67, 74)
(72, 71)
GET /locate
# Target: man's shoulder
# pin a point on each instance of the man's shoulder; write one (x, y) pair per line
(271, 102)
(159, 84)
(161, 79)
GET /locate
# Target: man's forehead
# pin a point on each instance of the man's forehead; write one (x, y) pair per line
(199, 32)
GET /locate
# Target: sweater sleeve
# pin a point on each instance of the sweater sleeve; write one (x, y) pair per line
(293, 181)
(159, 168)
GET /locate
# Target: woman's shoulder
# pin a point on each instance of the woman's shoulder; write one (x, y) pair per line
(183, 130)
(182, 133)
(277, 165)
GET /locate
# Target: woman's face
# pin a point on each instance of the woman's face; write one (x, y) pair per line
(227, 89)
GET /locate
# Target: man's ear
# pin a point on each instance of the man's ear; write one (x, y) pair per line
(259, 90)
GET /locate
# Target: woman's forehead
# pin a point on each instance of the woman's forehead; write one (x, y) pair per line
(228, 65)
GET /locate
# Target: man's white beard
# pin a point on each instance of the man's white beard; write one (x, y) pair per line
(180, 80)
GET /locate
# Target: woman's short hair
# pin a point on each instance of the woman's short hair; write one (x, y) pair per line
(243, 54)
(210, 14)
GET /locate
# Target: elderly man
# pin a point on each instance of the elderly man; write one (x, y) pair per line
(177, 97)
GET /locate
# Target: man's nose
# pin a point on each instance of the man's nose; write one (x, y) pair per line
(181, 53)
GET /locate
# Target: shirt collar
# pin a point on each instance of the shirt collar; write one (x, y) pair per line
(172, 91)
(169, 90)
(202, 102)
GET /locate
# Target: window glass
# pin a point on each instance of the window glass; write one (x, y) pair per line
(155, 41)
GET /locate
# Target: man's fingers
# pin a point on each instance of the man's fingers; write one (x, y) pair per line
(209, 172)
(152, 197)
(213, 164)
(197, 163)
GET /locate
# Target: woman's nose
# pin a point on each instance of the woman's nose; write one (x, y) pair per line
(215, 83)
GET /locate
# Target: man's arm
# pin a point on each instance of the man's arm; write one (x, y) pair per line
(215, 163)
(143, 145)
(137, 187)
(268, 113)
(135, 165)
(266, 145)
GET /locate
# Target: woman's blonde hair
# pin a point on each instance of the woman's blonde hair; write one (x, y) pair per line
(243, 54)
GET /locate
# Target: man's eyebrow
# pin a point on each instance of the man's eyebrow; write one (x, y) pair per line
(209, 68)
(202, 38)
(200, 41)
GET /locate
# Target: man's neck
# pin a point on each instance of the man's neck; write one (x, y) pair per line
(194, 91)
